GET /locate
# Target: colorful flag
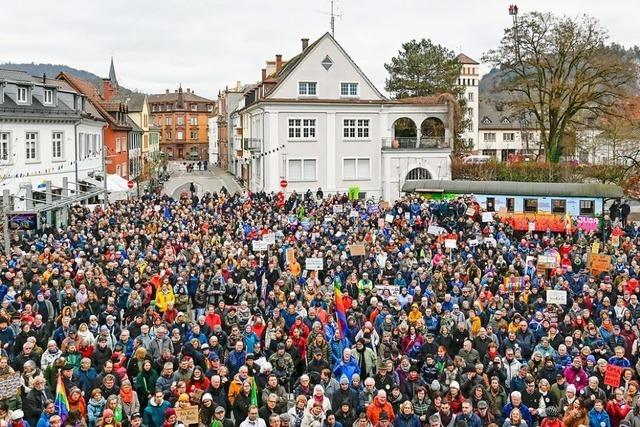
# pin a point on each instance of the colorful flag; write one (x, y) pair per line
(254, 392)
(341, 314)
(61, 402)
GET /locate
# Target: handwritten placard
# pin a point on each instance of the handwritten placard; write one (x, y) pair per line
(450, 243)
(313, 264)
(188, 415)
(487, 217)
(613, 375)
(556, 297)
(357, 250)
(259, 245)
(470, 212)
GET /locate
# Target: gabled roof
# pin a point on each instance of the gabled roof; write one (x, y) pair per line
(133, 101)
(88, 90)
(464, 59)
(173, 97)
(293, 63)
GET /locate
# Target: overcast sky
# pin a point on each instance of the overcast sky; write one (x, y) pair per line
(207, 44)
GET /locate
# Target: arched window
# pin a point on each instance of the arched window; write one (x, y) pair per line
(418, 174)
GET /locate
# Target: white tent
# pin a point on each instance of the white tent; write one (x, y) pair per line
(117, 187)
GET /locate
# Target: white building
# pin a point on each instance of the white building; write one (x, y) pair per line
(213, 139)
(318, 121)
(48, 132)
(470, 79)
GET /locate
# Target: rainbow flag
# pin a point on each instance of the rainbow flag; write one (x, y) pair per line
(61, 402)
(341, 314)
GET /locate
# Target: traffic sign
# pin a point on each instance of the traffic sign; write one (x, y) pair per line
(130, 184)
(284, 183)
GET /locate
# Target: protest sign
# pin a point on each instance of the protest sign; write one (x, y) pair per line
(188, 415)
(595, 248)
(598, 262)
(474, 242)
(487, 217)
(259, 245)
(470, 212)
(357, 250)
(394, 290)
(613, 375)
(337, 209)
(291, 256)
(9, 385)
(556, 297)
(384, 205)
(490, 242)
(435, 230)
(615, 240)
(389, 218)
(513, 284)
(353, 214)
(450, 243)
(532, 226)
(549, 261)
(381, 222)
(313, 264)
(269, 238)
(354, 193)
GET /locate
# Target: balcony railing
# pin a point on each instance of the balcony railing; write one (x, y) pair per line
(415, 143)
(252, 144)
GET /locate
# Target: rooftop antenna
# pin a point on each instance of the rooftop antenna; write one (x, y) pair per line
(333, 16)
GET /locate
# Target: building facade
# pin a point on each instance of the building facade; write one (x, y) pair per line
(183, 119)
(470, 79)
(319, 122)
(226, 103)
(48, 132)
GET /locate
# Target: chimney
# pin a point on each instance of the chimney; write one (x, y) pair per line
(238, 85)
(167, 91)
(44, 78)
(107, 89)
(188, 90)
(305, 44)
(264, 74)
(278, 62)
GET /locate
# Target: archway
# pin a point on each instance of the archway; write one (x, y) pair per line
(432, 132)
(418, 174)
(405, 133)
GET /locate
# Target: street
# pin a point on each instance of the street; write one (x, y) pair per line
(211, 180)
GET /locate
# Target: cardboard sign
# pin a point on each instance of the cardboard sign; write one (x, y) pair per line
(556, 297)
(613, 375)
(487, 217)
(435, 230)
(197, 394)
(357, 250)
(338, 208)
(9, 385)
(259, 245)
(313, 264)
(389, 218)
(450, 243)
(269, 238)
(532, 226)
(188, 415)
(470, 212)
(599, 263)
(595, 248)
(291, 256)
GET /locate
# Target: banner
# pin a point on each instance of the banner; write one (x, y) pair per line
(588, 224)
(513, 284)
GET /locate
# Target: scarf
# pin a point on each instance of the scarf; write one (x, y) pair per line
(126, 396)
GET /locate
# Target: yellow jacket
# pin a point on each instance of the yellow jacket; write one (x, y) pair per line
(163, 298)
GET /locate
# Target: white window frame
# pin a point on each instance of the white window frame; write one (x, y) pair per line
(209, 107)
(167, 121)
(51, 94)
(179, 135)
(118, 144)
(357, 177)
(22, 90)
(300, 126)
(36, 148)
(486, 137)
(349, 86)
(307, 84)
(470, 96)
(302, 161)
(194, 107)
(60, 141)
(193, 120)
(512, 137)
(356, 130)
(194, 132)
(5, 148)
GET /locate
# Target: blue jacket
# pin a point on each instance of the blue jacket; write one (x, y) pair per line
(86, 380)
(346, 368)
(44, 420)
(337, 348)
(407, 421)
(599, 419)
(472, 420)
(526, 415)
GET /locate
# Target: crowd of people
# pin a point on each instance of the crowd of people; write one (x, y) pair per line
(139, 313)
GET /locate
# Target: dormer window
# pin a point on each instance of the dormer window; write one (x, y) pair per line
(48, 97)
(23, 93)
(194, 107)
(307, 88)
(505, 121)
(486, 120)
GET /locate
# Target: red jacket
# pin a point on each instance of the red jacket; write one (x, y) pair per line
(375, 409)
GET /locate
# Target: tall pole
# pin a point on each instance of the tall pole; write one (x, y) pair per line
(104, 174)
(513, 11)
(333, 32)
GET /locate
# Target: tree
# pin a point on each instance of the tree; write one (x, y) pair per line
(423, 69)
(426, 69)
(561, 69)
